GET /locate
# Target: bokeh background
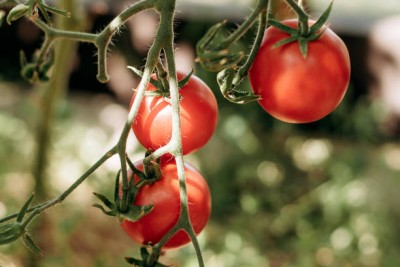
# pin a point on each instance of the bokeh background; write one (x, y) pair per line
(315, 195)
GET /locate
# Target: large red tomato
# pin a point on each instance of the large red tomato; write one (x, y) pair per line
(198, 110)
(296, 89)
(164, 195)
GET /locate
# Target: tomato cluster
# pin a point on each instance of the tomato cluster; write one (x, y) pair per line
(153, 128)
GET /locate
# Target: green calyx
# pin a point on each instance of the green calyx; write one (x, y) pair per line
(209, 53)
(133, 213)
(304, 33)
(144, 262)
(162, 88)
(12, 231)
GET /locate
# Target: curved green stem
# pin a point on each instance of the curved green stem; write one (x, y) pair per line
(150, 65)
(246, 25)
(263, 18)
(54, 33)
(176, 150)
(48, 204)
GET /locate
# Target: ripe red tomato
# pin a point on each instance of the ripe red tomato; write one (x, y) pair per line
(164, 195)
(296, 89)
(198, 110)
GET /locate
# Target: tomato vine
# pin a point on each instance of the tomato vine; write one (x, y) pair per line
(214, 54)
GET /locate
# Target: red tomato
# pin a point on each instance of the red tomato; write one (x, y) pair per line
(198, 110)
(164, 195)
(296, 89)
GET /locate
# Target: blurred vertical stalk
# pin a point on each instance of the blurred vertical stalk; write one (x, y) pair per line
(51, 95)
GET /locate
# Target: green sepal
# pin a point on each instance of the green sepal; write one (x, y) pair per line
(157, 84)
(10, 232)
(54, 10)
(279, 25)
(208, 38)
(25, 208)
(135, 262)
(228, 81)
(17, 12)
(135, 212)
(213, 58)
(29, 243)
(296, 35)
(185, 80)
(144, 261)
(322, 19)
(108, 203)
(141, 263)
(135, 170)
(152, 171)
(111, 213)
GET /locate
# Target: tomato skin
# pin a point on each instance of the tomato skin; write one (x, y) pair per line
(199, 115)
(295, 89)
(164, 195)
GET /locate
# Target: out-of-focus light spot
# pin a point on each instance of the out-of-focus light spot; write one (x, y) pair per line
(3, 209)
(356, 193)
(122, 81)
(6, 262)
(184, 57)
(113, 116)
(269, 173)
(236, 128)
(249, 203)
(304, 229)
(312, 153)
(279, 227)
(368, 244)
(18, 185)
(391, 155)
(92, 142)
(324, 256)
(341, 171)
(65, 172)
(362, 224)
(142, 37)
(341, 238)
(233, 242)
(16, 129)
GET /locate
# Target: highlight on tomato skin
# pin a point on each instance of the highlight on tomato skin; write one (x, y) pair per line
(165, 196)
(295, 89)
(198, 113)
